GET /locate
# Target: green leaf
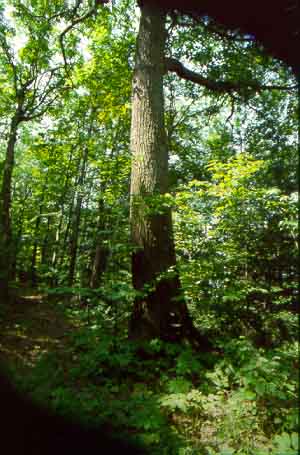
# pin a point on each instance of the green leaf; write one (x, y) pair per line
(283, 441)
(295, 441)
(260, 388)
(248, 395)
(175, 401)
(227, 450)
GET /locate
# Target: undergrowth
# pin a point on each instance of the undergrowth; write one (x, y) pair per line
(172, 399)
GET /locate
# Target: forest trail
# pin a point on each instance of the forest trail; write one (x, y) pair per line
(30, 327)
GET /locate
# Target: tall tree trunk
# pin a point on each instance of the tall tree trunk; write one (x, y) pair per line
(35, 249)
(6, 247)
(63, 247)
(100, 258)
(36, 236)
(46, 245)
(160, 310)
(18, 237)
(76, 219)
(61, 206)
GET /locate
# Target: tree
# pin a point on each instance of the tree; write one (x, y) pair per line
(261, 21)
(33, 80)
(159, 309)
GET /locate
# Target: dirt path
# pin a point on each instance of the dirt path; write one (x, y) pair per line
(30, 327)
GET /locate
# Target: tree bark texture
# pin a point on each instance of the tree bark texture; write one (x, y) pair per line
(159, 310)
(6, 246)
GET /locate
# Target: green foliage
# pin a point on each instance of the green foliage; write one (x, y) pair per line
(137, 386)
(231, 238)
(287, 444)
(187, 363)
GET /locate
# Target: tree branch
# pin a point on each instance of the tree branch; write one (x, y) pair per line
(10, 60)
(75, 22)
(33, 116)
(182, 71)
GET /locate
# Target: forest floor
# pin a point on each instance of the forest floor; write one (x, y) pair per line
(169, 398)
(30, 327)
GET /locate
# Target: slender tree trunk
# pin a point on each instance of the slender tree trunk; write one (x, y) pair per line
(45, 253)
(16, 249)
(35, 247)
(159, 311)
(74, 240)
(6, 247)
(99, 265)
(18, 237)
(36, 236)
(76, 219)
(62, 251)
(57, 243)
(101, 251)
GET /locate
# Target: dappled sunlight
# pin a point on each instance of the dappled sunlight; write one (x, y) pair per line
(31, 329)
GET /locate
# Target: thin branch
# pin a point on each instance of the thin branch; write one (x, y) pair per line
(10, 61)
(27, 118)
(231, 112)
(42, 98)
(75, 22)
(76, 6)
(184, 116)
(51, 70)
(182, 71)
(40, 16)
(25, 85)
(36, 96)
(235, 36)
(31, 105)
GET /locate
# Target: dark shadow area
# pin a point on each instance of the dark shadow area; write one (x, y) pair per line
(29, 429)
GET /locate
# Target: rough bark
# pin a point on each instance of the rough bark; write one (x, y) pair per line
(6, 247)
(159, 310)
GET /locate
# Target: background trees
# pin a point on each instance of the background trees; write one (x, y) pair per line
(34, 77)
